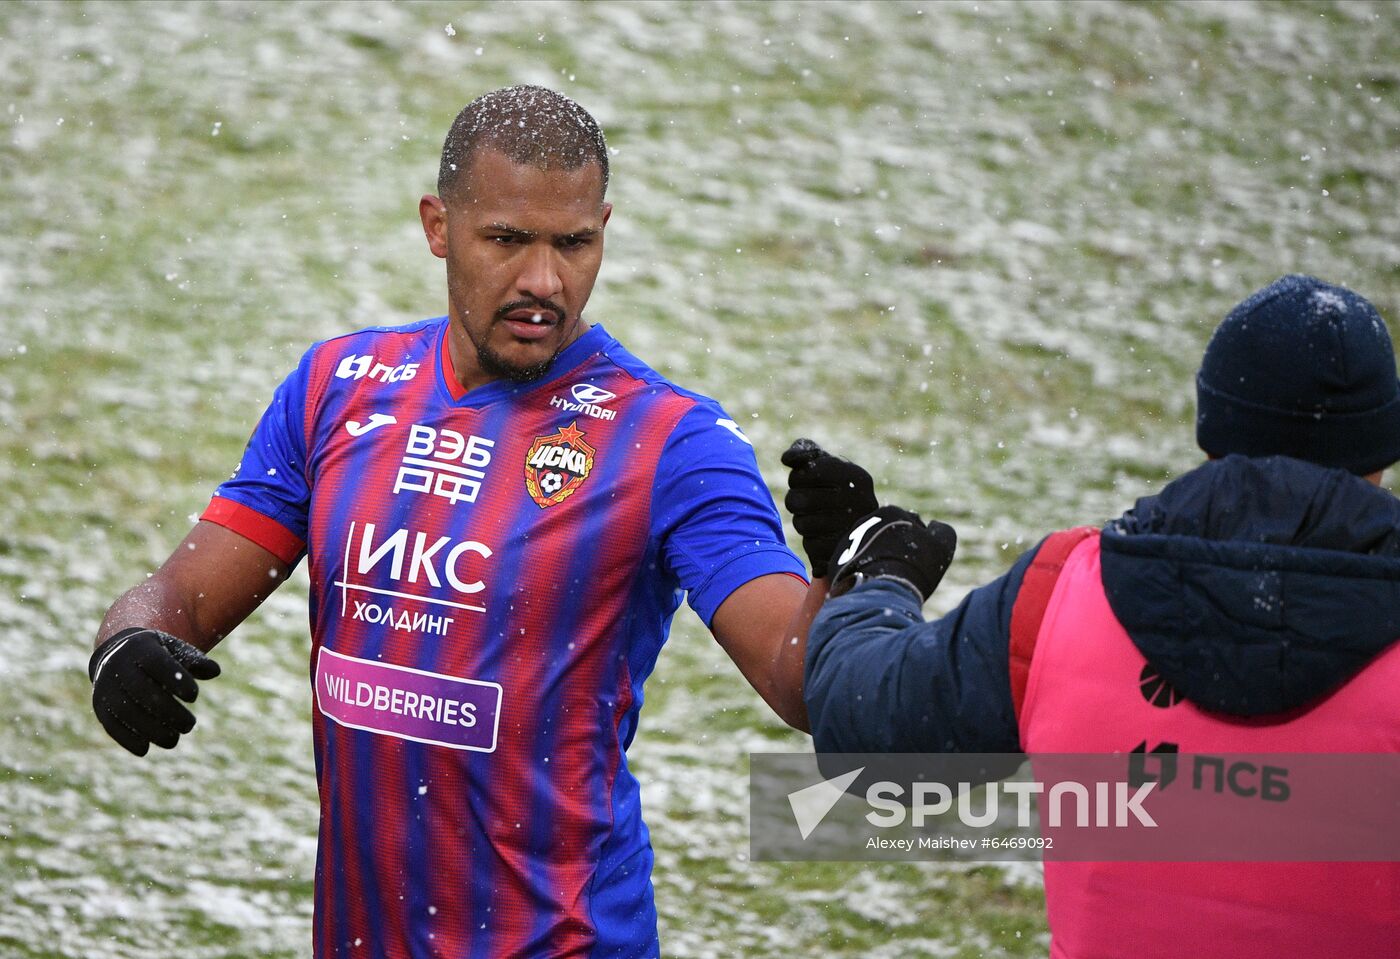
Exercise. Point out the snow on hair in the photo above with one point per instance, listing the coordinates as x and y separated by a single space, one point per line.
530 125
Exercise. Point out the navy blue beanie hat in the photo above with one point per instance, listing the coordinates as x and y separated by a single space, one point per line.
1304 369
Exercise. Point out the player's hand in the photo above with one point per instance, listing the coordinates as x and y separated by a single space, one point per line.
138 678
826 494
894 543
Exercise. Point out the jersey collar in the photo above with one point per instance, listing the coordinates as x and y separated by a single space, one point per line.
593 340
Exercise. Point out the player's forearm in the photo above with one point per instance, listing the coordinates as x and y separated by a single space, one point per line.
781 689
212 581
157 604
788 663
763 627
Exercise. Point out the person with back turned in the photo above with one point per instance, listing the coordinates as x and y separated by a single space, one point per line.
1251 606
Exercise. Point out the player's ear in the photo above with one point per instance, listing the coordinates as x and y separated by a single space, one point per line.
433 212
607 212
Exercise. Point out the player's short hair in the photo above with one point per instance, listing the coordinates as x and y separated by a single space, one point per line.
530 125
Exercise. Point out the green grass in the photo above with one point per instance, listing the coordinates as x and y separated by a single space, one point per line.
978 247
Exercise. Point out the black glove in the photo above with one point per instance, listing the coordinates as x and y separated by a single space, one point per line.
826 494
894 543
136 676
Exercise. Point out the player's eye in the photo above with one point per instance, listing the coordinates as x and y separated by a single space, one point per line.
504 239
574 242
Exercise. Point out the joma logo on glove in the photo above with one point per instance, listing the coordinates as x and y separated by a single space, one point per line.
857 534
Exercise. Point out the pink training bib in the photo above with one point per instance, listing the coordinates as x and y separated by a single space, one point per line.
1084 693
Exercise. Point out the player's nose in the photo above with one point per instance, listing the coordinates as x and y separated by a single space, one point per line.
540 275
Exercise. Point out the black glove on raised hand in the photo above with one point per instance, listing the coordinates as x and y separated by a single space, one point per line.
826 494
137 675
895 543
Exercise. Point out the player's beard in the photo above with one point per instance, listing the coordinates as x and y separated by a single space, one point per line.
496 365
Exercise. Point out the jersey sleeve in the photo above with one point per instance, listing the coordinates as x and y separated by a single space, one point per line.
713 514
267 498
879 679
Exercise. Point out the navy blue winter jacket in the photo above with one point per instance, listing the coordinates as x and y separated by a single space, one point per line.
1252 585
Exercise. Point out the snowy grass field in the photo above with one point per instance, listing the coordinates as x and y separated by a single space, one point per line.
976 246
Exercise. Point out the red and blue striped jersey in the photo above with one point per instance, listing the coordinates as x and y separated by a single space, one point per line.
493 574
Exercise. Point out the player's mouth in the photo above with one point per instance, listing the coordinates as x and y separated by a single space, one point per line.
531 322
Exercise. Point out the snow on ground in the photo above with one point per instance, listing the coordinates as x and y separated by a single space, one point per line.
976 246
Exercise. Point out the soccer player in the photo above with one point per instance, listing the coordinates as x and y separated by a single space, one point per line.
500 510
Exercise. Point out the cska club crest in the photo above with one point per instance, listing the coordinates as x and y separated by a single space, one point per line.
557 465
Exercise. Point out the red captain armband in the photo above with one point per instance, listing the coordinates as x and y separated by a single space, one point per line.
252 525
1028 611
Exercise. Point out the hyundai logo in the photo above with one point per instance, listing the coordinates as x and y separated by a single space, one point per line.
588 393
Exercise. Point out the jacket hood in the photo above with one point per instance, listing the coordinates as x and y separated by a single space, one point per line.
1256 586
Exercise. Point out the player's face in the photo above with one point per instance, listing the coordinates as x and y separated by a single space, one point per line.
523 247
